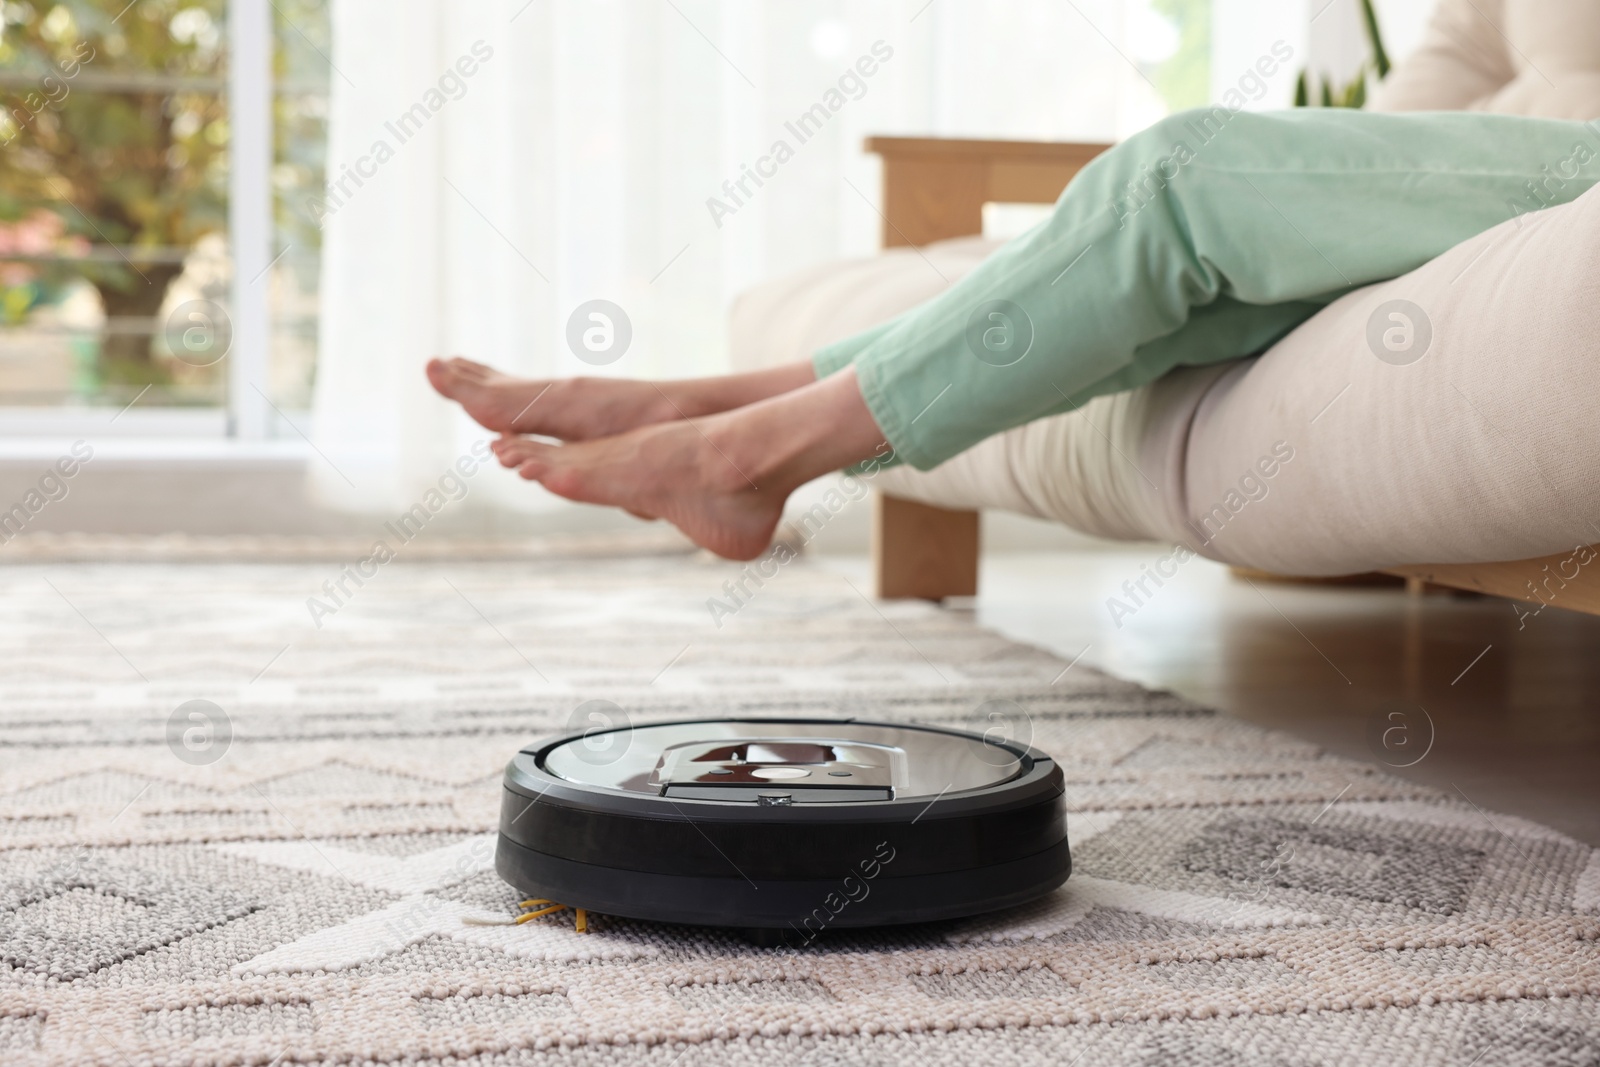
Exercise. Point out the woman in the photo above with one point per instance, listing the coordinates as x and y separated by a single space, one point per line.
1203 239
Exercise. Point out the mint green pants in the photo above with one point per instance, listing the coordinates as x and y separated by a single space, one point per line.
1204 238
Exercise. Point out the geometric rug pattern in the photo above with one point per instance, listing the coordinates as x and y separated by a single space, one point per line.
231 835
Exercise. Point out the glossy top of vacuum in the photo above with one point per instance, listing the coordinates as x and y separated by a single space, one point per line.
755 761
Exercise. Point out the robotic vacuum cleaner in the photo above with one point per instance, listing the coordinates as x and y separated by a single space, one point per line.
783 827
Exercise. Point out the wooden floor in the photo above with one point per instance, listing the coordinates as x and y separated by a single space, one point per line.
1367 673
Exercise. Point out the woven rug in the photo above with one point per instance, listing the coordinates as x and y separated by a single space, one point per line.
237 829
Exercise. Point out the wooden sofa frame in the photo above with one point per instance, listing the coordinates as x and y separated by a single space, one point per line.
935 188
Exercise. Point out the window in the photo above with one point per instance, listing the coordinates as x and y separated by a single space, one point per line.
153 252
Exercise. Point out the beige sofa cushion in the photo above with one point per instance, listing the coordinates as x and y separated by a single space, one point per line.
1514 57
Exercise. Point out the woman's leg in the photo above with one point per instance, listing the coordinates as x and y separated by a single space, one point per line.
1206 237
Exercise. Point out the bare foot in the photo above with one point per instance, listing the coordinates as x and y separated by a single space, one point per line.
721 480
667 472
581 409
571 409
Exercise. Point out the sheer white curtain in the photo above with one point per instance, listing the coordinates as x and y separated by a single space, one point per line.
576 160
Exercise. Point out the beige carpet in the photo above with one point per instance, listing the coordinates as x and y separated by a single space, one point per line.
292 884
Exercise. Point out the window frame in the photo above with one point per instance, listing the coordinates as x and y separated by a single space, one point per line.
250 219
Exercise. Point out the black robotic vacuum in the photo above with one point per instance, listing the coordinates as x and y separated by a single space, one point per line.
783 827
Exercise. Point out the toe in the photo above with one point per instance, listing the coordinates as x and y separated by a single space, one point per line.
442 377
515 451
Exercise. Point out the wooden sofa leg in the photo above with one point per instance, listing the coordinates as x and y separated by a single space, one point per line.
922 551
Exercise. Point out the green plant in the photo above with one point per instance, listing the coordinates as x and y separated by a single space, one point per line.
1353 94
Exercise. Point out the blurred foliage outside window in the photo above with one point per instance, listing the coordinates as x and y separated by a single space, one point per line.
113 194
